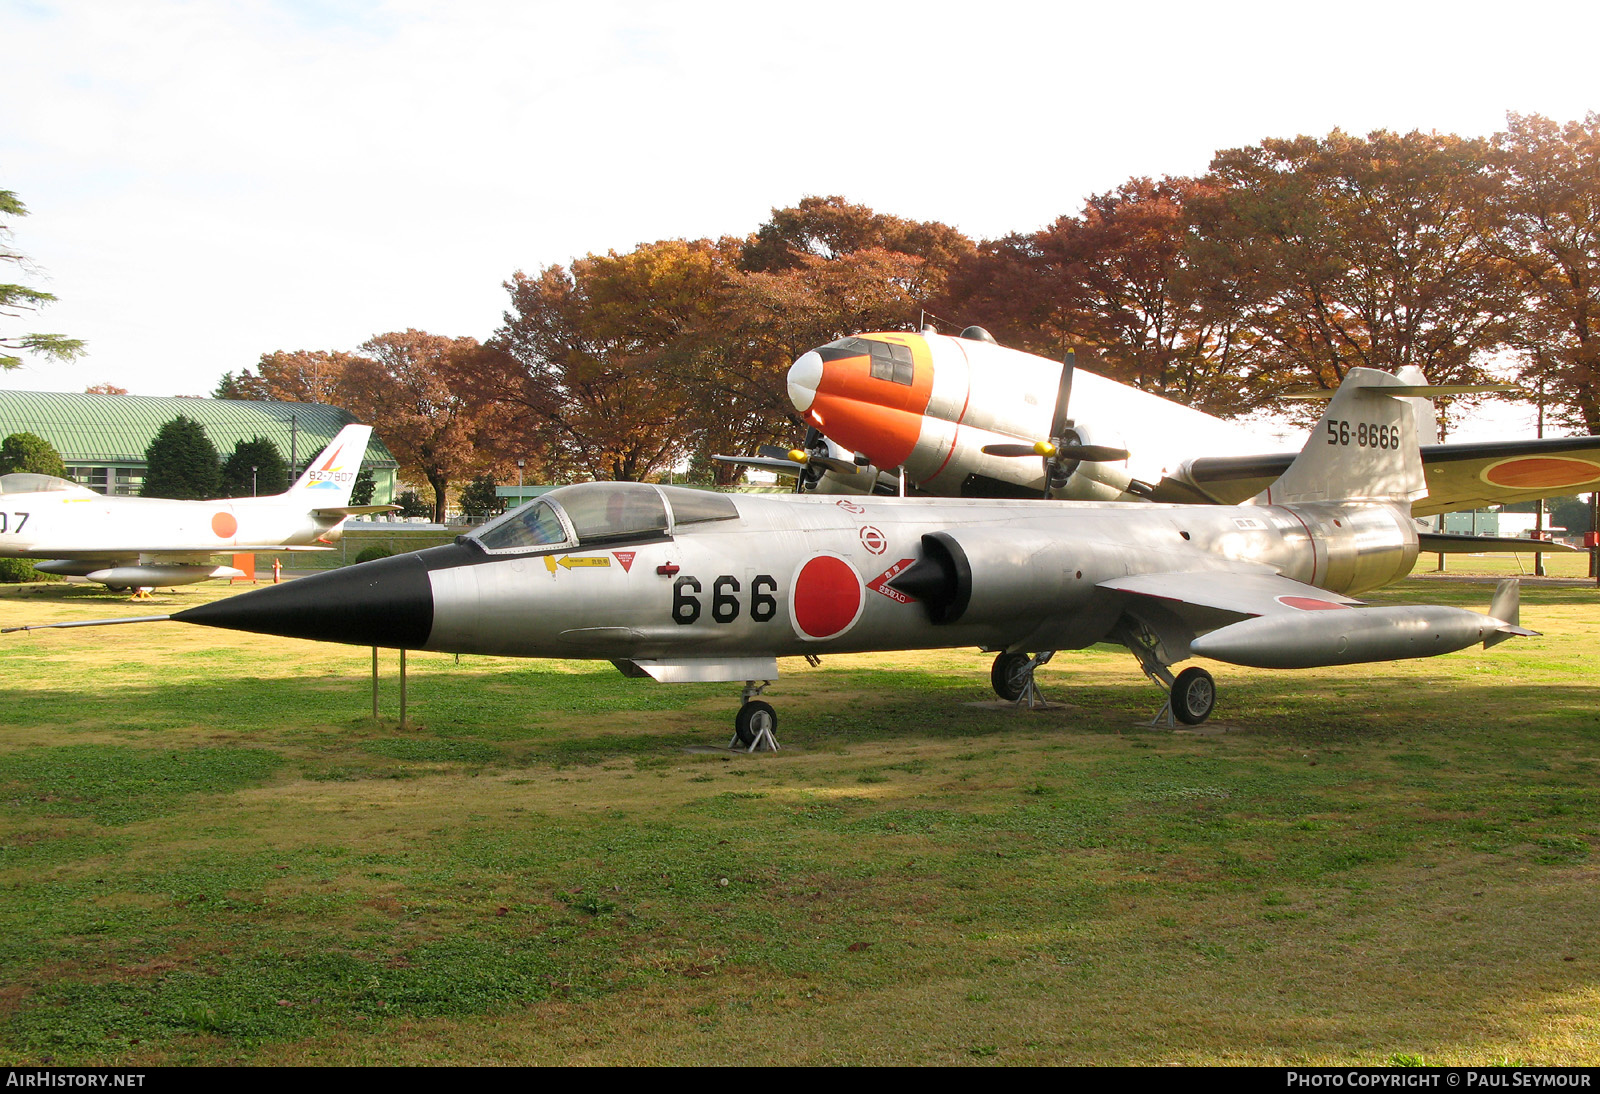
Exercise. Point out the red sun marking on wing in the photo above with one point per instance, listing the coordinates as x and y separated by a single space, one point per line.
1308 604
1541 472
224 525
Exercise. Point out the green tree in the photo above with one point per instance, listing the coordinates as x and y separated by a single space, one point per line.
270 474
411 505
479 501
181 462
32 453
16 299
361 493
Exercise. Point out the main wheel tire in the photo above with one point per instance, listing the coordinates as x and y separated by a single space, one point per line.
1194 693
752 718
1009 676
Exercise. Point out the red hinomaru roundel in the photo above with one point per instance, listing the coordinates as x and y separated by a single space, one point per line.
825 598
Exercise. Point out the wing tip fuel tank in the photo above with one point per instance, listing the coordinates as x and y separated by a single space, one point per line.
1348 637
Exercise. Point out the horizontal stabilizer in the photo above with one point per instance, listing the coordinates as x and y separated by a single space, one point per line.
1446 543
353 511
1404 391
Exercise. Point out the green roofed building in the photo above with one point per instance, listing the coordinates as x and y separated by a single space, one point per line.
102 438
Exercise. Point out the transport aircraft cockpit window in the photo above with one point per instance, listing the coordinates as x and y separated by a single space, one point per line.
533 525
891 361
698 506
612 510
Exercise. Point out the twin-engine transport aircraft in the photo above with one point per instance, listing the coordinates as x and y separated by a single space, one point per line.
678 584
966 417
144 542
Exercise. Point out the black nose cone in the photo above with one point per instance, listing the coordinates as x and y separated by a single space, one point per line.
387 602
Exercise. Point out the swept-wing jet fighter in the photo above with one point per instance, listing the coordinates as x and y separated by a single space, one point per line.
678 584
140 542
966 417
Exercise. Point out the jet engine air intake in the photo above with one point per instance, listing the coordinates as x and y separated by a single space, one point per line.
941 578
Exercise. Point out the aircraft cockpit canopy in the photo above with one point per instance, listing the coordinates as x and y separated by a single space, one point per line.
602 512
889 360
28 482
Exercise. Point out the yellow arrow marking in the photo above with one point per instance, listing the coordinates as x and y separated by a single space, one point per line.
590 560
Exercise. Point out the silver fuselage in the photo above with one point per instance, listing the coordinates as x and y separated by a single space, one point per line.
753 586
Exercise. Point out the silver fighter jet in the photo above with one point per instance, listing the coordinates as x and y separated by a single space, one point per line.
682 585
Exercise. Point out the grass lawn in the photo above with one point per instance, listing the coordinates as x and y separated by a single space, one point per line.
211 853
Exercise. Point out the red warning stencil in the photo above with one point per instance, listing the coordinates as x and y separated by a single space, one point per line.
880 584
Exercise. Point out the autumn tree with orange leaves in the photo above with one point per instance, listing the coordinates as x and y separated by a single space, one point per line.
1547 229
1127 282
417 392
1369 251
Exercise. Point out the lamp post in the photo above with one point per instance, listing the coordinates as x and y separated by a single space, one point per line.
252 480
519 482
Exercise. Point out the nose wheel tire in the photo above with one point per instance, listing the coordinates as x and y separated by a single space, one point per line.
754 717
1193 695
1009 675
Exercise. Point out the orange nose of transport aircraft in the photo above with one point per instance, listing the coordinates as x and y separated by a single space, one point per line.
869 395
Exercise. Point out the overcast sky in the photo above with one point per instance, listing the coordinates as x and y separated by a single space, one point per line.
209 181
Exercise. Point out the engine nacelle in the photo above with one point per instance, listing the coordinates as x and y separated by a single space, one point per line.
982 575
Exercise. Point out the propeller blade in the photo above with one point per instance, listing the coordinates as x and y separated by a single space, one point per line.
1012 450
1092 453
772 452
785 466
829 463
1059 421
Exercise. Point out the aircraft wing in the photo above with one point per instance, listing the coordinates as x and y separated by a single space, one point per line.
1460 476
1230 592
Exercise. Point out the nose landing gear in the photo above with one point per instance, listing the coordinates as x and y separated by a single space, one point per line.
753 726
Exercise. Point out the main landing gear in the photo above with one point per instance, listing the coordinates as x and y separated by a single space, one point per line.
1012 677
1190 695
753 726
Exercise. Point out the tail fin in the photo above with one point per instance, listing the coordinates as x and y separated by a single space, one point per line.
329 478
1427 410
1364 448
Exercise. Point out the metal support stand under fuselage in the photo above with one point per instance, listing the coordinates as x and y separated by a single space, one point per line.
1031 696
402 686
